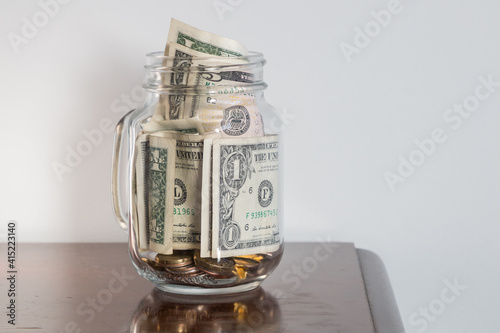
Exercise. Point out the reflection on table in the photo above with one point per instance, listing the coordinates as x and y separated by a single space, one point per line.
253 311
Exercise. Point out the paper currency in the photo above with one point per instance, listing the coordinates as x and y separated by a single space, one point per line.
141 184
188 46
220 111
186 219
208 113
245 196
222 81
204 41
206 200
187 195
189 157
160 192
241 119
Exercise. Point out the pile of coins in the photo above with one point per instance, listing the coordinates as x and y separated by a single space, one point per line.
179 263
189 266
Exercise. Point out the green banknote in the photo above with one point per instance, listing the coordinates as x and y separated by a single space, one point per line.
140 185
189 47
160 192
229 109
204 41
187 187
206 200
245 196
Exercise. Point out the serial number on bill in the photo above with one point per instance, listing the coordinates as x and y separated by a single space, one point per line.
184 211
262 213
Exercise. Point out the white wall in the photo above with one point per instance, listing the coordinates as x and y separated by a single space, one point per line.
351 122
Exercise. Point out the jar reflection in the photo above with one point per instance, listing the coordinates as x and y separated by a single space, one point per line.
253 311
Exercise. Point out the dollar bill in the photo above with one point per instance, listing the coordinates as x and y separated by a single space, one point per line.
184 45
206 201
187 194
245 196
141 199
241 119
227 109
160 193
222 81
204 41
189 157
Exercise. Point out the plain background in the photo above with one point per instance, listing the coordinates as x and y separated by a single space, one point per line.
348 124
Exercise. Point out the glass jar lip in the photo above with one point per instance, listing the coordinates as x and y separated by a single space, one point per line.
158 65
252 56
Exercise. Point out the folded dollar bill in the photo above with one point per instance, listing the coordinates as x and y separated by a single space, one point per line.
189 47
186 213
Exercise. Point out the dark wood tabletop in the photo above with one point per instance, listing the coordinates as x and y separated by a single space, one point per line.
318 287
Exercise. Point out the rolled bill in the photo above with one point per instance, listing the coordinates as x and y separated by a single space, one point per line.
228 110
184 44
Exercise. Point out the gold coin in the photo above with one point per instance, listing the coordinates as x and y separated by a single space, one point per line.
151 263
178 258
248 263
147 261
240 271
222 267
255 257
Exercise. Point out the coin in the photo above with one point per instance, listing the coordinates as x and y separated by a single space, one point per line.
184 270
178 258
248 263
152 264
255 257
240 271
147 261
222 267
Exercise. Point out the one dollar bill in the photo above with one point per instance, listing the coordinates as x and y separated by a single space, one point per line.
206 200
183 43
160 192
187 184
228 109
141 185
245 196
204 41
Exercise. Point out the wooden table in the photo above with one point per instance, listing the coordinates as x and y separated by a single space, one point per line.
318 287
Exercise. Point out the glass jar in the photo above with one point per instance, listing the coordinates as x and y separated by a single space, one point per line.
196 175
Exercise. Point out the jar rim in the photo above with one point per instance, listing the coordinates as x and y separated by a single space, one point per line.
158 65
252 56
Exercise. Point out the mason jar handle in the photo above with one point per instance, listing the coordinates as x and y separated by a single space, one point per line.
119 183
